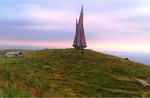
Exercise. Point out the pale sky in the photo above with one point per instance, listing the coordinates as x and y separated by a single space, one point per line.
110 25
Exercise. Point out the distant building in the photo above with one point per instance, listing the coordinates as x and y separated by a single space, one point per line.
79 40
13 54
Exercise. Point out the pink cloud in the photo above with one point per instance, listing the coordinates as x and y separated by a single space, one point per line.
122 46
42 44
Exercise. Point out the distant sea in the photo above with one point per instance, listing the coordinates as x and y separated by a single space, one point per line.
137 57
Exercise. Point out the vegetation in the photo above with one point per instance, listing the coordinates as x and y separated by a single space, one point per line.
68 72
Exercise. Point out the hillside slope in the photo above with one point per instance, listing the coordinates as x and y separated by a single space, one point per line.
67 72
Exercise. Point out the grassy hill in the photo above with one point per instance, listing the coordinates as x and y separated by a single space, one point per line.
67 72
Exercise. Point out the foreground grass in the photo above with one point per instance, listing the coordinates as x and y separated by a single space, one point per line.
67 72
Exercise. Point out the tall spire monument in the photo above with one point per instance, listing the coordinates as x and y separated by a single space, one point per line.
79 39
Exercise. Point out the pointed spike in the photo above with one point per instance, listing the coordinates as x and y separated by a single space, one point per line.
79 40
76 21
82 9
81 16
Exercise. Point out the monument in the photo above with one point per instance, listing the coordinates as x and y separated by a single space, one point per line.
79 39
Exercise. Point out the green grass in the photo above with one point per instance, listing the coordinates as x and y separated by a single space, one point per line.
67 72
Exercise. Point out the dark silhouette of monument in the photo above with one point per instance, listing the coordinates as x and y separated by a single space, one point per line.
79 40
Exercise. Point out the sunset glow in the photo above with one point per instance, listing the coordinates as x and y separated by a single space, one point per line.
110 25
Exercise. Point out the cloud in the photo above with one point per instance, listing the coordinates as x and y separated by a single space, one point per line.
34 35
106 23
39 44
120 46
45 18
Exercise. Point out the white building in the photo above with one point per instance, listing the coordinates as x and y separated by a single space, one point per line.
13 54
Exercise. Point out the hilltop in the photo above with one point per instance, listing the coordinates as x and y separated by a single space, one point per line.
68 72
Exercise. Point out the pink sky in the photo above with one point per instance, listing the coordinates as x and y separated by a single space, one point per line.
111 25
